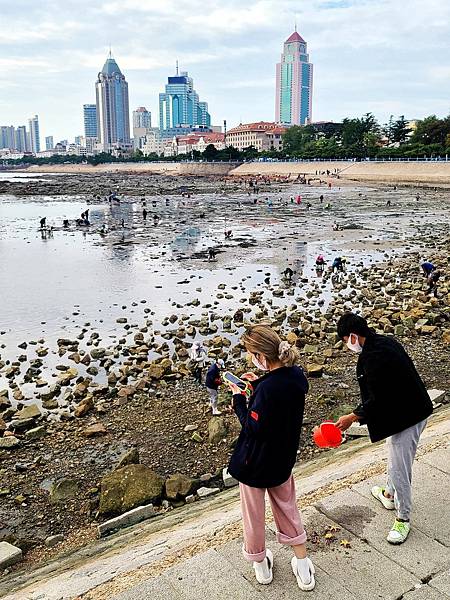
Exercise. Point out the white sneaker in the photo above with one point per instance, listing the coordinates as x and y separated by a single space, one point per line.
399 532
378 493
264 569
216 412
306 587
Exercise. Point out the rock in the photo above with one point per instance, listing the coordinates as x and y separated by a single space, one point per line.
6 443
357 430
36 433
52 540
136 515
84 407
204 492
291 337
445 337
128 488
64 489
97 353
155 371
196 437
310 349
131 457
94 430
190 427
9 555
178 485
28 412
217 430
228 480
314 370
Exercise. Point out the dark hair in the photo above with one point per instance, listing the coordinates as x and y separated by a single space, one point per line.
351 323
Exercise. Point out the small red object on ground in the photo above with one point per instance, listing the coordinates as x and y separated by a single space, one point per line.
327 435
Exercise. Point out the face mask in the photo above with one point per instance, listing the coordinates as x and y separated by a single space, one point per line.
354 346
259 365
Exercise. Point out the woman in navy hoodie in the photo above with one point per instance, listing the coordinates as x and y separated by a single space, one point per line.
266 452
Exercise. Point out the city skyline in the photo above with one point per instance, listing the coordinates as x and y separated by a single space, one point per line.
368 56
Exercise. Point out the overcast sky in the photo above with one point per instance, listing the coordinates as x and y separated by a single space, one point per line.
384 56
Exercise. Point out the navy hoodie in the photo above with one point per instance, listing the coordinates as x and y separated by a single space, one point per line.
266 450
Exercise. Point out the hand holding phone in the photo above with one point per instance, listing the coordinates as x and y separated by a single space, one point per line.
237 385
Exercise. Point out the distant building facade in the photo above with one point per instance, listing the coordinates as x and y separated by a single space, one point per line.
49 145
33 132
196 141
113 115
294 83
90 120
179 105
263 136
142 123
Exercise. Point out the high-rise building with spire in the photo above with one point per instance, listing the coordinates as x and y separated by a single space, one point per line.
179 105
113 115
294 83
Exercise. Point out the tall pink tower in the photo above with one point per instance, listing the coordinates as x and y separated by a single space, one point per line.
293 103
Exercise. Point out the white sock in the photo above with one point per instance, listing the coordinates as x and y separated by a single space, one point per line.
303 570
263 567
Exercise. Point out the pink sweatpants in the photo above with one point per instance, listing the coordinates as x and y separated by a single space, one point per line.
285 512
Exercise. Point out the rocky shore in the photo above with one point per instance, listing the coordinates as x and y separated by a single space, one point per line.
107 417
146 436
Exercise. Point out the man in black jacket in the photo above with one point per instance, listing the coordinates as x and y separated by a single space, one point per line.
395 406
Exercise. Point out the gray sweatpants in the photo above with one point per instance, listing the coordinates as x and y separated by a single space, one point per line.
401 452
213 397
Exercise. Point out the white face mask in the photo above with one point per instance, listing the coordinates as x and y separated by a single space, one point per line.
259 365
354 346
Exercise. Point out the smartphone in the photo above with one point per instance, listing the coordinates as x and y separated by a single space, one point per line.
228 376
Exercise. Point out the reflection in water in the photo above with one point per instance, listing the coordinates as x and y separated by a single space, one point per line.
186 240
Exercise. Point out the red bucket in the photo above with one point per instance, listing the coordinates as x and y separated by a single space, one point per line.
327 435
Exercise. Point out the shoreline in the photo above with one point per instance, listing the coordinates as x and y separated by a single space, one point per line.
390 173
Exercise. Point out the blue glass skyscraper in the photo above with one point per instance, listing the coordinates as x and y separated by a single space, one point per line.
179 105
90 120
113 116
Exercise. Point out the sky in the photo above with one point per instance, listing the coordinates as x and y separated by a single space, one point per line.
384 56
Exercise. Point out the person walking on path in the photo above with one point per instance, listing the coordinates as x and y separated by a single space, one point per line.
395 406
198 356
266 451
213 382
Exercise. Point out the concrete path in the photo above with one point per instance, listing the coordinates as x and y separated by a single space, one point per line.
365 567
196 554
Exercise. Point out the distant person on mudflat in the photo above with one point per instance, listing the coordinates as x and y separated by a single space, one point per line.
144 214
427 268
212 382
266 451
197 357
432 281
395 406
42 222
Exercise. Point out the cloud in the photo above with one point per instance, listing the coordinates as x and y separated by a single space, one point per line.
385 56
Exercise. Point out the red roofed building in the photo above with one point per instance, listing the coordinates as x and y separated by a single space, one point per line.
263 136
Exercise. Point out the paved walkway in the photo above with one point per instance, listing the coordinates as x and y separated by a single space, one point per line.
348 547
198 556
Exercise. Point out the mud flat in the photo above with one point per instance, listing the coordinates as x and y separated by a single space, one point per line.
396 173
430 173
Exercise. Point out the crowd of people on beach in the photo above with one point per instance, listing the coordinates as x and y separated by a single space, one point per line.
270 404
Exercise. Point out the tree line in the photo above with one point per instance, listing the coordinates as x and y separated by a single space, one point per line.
365 137
352 138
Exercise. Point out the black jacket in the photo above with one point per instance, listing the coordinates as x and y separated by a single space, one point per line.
212 380
393 396
267 446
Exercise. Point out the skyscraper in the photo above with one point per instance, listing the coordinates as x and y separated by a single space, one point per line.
90 120
113 116
49 145
21 139
294 77
33 131
142 118
142 123
179 105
